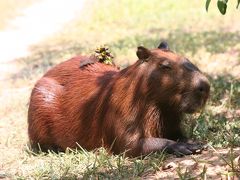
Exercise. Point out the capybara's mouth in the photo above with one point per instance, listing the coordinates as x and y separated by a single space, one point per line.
194 107
192 110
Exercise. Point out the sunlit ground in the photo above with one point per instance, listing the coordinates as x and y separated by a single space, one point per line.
37 20
43 33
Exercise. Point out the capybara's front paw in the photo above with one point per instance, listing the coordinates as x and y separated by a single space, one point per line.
180 148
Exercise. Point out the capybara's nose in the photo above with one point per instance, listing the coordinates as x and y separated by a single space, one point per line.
203 87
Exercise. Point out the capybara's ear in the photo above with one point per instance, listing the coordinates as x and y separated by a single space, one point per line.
163 45
143 53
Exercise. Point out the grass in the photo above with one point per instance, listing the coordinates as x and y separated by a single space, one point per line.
82 164
210 40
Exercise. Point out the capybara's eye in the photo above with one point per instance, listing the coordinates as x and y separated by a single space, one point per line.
189 66
165 65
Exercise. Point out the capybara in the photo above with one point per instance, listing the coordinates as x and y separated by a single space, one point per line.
136 110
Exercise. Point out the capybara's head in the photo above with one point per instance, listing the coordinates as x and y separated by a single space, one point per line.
172 80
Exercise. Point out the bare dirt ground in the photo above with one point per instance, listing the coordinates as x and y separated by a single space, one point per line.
211 164
37 22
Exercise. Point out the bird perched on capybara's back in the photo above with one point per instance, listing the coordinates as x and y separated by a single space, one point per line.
136 110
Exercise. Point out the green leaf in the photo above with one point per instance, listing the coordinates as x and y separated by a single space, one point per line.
207 4
238 3
222 6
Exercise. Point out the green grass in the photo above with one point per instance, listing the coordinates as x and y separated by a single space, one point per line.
83 164
210 40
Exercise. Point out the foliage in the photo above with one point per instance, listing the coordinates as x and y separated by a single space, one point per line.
103 54
222 5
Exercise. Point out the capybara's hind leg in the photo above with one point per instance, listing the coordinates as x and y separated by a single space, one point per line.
43 111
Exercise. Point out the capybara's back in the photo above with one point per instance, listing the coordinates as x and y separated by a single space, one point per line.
63 103
138 110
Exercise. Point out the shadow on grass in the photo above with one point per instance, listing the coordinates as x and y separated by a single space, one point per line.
123 172
119 167
44 56
182 42
226 87
213 42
